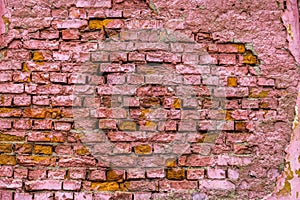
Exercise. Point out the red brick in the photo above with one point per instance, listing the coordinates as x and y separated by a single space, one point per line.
5 124
83 196
214 173
22 124
20 173
77 173
66 24
40 100
135 174
59 174
141 186
96 4
107 124
117 68
58 77
42 125
6 76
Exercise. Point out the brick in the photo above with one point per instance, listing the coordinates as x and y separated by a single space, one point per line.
115 175
36 160
6 195
265 82
6 171
40 100
155 173
168 185
37 56
250 103
107 124
176 174
58 77
69 24
135 174
140 186
42 125
10 112
59 174
23 196
22 100
62 126
117 68
195 174
44 195
127 136
5 124
192 69
72 185
37 174
11 88
70 34
83 196
8 183
40 77
5 148
44 67
42 149
77 173
142 196
63 195
6 76
214 173
20 173
96 4
216 185
116 79
127 126
43 185
232 82
82 161
105 186
97 175
40 44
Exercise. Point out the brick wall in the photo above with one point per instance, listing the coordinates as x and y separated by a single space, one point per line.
144 99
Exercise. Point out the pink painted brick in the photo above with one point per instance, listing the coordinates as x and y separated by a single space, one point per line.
63 195
195 174
97 175
70 34
135 174
155 173
83 196
46 67
122 148
42 125
247 81
100 56
44 196
202 149
6 100
116 79
37 174
142 196
20 173
107 124
187 125
271 103
40 77
22 100
117 67
190 58
11 113
43 185
41 44
216 185
72 185
45 34
62 126
62 55
77 173
6 76
11 88
227 59
56 174
8 183
64 101
77 13
22 124
135 79
167 185
233 174
226 48
240 114
23 196
96 4
21 77
40 100
6 171
192 69
6 195
58 77
5 124
214 173
68 24
231 92
265 82
192 79
250 103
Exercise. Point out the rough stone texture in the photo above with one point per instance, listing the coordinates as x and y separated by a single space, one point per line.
196 99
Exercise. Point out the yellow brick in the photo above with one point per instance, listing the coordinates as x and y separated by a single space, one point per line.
171 162
7 160
240 47
6 137
249 58
112 175
176 174
41 149
82 151
211 137
5 148
105 186
231 81
177 103
98 24
38 56
128 126
143 149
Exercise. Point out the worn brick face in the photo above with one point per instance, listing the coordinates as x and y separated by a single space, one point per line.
114 99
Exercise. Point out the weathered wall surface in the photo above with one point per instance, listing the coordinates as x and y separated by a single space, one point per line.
138 99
